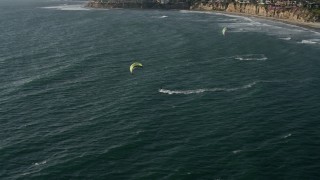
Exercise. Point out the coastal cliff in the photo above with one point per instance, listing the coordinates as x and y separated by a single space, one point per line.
147 4
293 14
209 6
286 13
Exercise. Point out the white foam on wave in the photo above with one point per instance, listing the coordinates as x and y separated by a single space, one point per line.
40 163
236 151
251 57
66 7
310 41
197 91
286 38
159 17
286 136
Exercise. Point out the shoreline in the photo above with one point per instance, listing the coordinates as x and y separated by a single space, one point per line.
309 25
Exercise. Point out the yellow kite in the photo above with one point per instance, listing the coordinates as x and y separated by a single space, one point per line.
135 65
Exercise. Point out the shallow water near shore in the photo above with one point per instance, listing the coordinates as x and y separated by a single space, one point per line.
205 106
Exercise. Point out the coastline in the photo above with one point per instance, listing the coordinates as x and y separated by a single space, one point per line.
309 25
301 20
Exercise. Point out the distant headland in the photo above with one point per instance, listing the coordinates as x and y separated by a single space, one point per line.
300 12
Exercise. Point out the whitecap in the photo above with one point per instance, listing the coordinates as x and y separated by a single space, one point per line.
26 173
40 163
159 17
236 151
197 91
251 57
286 136
286 38
310 41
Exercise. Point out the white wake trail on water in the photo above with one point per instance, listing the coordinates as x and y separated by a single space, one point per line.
197 91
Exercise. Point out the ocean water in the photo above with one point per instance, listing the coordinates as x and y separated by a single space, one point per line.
204 106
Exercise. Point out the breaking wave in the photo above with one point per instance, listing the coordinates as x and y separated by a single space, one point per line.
286 38
197 91
310 41
159 17
40 163
286 136
236 151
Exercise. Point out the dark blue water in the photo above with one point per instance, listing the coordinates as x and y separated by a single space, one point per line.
205 106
